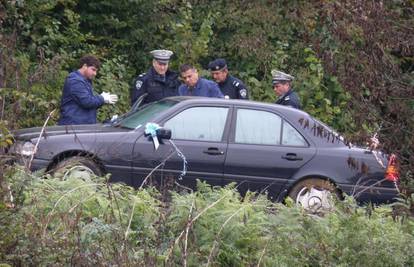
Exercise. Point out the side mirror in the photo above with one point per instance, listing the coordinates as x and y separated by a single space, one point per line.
163 133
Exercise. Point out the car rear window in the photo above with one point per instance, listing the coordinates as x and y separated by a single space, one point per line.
322 132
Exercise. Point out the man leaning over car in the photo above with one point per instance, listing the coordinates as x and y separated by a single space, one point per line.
194 85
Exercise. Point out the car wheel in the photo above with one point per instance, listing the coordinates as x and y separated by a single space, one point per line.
315 195
80 167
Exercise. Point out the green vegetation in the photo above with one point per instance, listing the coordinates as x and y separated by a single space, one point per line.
353 63
73 222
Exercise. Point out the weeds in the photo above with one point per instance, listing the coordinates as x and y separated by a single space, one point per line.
82 223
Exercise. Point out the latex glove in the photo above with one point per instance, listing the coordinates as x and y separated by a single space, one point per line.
109 98
112 99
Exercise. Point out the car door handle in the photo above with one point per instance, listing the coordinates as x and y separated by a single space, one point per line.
213 151
291 156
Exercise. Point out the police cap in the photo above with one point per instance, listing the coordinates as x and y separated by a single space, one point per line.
280 77
217 64
162 55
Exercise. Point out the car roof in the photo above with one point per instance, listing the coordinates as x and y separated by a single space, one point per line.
237 102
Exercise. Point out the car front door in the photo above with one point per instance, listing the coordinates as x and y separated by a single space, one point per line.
200 133
264 151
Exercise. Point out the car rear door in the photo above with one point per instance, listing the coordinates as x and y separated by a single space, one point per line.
201 134
264 151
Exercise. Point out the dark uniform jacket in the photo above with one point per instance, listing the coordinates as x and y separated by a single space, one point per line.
78 104
203 87
155 85
234 88
289 99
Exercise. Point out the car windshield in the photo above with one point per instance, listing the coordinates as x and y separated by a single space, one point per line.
144 115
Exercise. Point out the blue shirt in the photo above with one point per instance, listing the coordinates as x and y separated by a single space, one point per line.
78 104
203 87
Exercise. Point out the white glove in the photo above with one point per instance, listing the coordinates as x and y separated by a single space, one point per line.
109 98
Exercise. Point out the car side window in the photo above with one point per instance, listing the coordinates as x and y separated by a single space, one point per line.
291 137
257 127
198 123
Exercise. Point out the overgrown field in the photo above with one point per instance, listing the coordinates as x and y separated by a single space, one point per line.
46 221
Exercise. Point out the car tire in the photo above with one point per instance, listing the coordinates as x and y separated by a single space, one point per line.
315 195
81 167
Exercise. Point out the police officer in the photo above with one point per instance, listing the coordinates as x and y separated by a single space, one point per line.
158 82
282 86
230 86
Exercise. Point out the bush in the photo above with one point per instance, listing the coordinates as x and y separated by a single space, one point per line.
94 223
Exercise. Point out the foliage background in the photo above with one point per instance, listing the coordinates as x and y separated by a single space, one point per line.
353 63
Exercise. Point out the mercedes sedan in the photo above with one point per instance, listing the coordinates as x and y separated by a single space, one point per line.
261 147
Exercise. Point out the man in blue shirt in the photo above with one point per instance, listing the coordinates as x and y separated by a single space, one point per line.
196 86
282 86
79 104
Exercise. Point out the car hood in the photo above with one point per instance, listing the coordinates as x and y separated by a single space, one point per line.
32 133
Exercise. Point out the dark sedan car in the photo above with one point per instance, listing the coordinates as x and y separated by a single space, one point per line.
262 147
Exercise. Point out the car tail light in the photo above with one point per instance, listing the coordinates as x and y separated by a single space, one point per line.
391 173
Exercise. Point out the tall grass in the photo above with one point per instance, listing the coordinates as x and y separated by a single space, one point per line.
74 222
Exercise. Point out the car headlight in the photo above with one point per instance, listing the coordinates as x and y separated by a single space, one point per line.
24 149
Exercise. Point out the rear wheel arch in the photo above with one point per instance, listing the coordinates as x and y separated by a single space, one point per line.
315 194
315 177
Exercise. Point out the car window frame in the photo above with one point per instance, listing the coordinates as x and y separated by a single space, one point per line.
226 130
232 135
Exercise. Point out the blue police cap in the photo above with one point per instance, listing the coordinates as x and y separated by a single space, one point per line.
162 55
217 64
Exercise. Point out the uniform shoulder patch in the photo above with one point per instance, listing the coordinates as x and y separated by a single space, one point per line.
138 84
236 83
140 80
287 98
243 93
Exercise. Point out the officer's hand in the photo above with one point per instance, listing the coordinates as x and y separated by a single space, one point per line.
109 98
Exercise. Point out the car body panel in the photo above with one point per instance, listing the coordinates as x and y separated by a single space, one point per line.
262 168
200 165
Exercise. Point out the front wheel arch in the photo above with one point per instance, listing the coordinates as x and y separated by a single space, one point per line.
81 167
75 153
